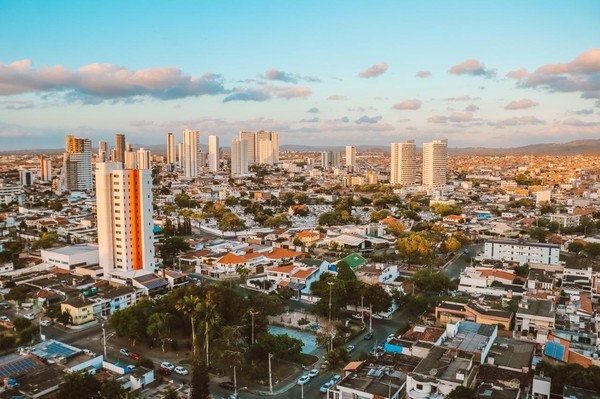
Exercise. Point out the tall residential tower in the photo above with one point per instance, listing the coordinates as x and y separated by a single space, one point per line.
435 163
403 166
191 148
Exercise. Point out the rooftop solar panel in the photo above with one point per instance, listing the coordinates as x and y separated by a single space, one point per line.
17 367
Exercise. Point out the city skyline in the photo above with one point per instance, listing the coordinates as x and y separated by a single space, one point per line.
506 74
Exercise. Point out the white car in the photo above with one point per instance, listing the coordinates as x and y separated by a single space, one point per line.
325 387
29 316
313 373
303 380
167 365
4 318
350 348
46 323
390 337
180 370
124 352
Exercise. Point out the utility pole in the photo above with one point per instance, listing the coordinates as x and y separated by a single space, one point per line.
302 387
234 382
104 340
270 376
252 314
370 318
362 309
330 283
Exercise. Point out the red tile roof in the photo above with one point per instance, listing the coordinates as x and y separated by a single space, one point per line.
232 259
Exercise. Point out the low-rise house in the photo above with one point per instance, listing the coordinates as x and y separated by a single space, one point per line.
451 312
534 319
369 381
99 304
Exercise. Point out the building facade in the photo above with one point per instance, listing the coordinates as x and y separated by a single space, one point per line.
191 147
213 153
522 251
124 212
77 165
239 156
170 148
435 163
403 168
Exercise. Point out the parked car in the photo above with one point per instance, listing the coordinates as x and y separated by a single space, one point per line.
369 335
46 323
389 338
303 380
124 352
357 316
89 352
350 348
167 365
29 316
380 347
164 371
4 318
181 371
325 386
134 356
313 373
227 385
4 305
336 378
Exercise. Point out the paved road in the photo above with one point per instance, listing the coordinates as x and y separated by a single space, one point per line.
454 269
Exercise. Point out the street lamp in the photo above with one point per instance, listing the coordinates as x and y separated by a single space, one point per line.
330 283
270 376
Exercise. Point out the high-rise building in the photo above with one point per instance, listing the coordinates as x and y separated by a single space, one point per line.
170 148
350 158
265 152
180 154
250 138
26 177
239 157
435 163
119 148
143 159
76 174
103 151
330 159
213 153
273 138
45 169
124 213
403 166
131 160
191 147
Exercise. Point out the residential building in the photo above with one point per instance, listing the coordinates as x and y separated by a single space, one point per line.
131 160
265 152
103 153
403 166
26 177
250 138
124 212
119 148
171 148
11 193
522 251
350 158
143 159
213 153
369 381
77 165
566 220
534 319
330 159
45 169
435 163
99 304
452 312
272 148
239 156
191 148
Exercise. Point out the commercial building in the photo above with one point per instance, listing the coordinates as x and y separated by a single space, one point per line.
103 153
70 257
124 212
239 156
191 148
26 177
403 168
522 251
77 165
435 163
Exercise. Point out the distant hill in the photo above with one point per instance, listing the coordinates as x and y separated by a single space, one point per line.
577 147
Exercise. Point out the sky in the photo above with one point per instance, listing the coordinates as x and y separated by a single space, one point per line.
490 74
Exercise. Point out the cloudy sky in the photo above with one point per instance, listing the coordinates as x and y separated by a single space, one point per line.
494 74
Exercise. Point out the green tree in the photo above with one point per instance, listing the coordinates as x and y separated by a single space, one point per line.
396 228
112 389
79 385
461 392
209 318
21 324
337 358
159 327
170 394
231 222
593 249
170 248
190 306
452 244
378 298
414 248
200 380
345 273
539 233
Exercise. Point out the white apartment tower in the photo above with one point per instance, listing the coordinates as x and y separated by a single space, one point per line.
250 138
265 152
239 157
131 160
170 148
350 158
191 147
180 154
124 213
77 165
435 163
330 159
143 159
255 154
403 166
213 153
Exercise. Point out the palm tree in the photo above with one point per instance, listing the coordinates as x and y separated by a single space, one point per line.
158 327
210 317
191 306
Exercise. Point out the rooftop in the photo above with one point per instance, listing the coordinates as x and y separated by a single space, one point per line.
73 249
374 379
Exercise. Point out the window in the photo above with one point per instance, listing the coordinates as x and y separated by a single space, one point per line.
420 387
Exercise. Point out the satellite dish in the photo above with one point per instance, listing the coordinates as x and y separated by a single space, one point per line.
433 372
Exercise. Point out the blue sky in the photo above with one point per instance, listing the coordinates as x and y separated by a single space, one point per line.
490 73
